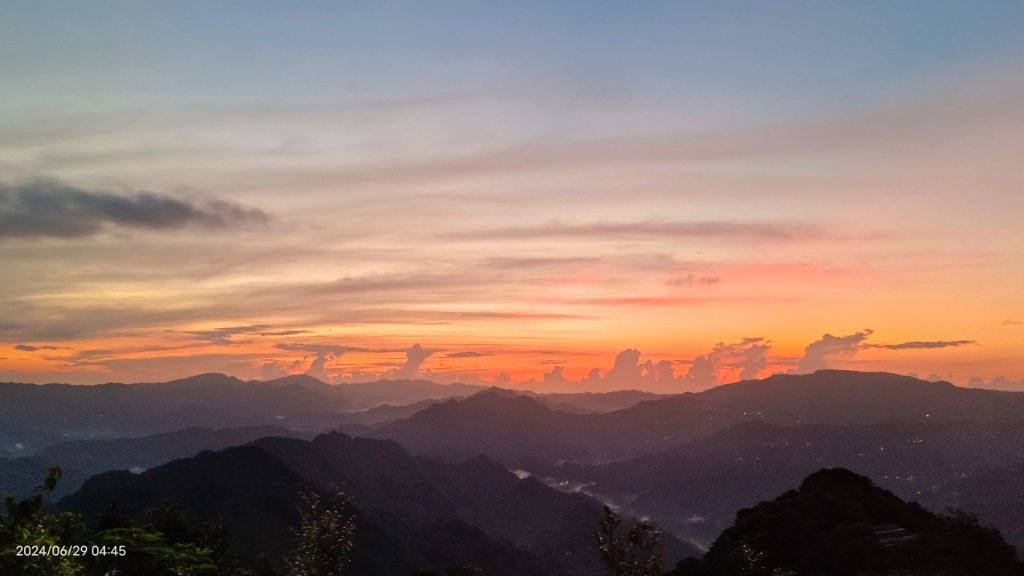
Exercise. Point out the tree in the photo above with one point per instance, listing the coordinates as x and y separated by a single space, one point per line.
637 552
26 523
325 537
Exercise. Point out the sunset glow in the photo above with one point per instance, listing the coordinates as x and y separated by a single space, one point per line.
510 194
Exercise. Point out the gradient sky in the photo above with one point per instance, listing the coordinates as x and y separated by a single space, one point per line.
511 192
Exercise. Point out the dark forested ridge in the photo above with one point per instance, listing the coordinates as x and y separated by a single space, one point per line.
838 523
410 513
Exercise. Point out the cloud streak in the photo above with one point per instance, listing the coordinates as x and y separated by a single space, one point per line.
720 230
31 348
45 208
921 345
467 354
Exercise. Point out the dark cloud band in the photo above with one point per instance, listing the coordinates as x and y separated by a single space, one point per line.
48 208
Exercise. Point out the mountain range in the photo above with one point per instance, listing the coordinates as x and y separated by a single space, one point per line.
411 513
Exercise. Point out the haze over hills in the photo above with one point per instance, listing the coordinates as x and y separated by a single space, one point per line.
694 489
80 459
34 416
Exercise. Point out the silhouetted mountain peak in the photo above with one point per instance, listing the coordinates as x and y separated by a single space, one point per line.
300 379
203 380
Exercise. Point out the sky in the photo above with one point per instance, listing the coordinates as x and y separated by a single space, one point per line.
557 196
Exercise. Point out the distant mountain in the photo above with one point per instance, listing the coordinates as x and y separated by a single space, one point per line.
82 458
410 513
499 423
401 392
838 523
113 410
94 456
845 397
33 416
694 489
518 429
595 402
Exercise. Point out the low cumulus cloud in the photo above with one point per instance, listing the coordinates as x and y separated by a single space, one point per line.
997 383
630 370
817 353
48 208
324 353
415 356
749 355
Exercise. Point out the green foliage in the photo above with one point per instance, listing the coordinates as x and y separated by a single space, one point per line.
167 542
26 523
636 553
325 537
148 552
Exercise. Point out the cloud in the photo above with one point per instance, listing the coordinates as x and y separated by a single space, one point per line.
627 369
701 373
554 378
918 345
31 348
224 336
749 355
671 301
758 231
817 353
46 208
270 370
1011 322
997 383
691 280
465 354
415 356
324 352
661 372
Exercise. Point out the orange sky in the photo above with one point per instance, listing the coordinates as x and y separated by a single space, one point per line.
728 200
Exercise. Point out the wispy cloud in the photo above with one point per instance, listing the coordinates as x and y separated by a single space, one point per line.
48 208
691 280
225 336
669 301
467 354
921 345
757 231
31 348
